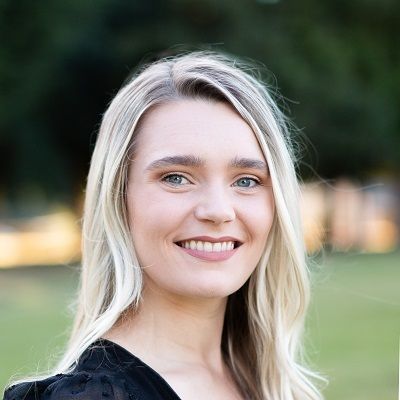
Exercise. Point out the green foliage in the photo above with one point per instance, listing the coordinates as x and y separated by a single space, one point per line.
61 62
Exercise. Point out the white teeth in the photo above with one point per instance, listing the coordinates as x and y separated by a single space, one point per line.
217 247
208 246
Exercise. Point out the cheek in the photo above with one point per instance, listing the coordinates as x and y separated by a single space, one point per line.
260 216
153 220
141 223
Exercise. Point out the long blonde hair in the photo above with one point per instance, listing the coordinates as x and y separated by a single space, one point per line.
264 319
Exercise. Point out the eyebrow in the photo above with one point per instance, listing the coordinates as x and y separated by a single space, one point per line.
187 161
250 163
192 161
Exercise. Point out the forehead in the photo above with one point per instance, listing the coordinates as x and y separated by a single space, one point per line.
200 127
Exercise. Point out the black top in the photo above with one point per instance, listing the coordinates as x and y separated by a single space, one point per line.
104 371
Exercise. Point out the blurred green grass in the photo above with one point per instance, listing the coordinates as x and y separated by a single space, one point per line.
353 324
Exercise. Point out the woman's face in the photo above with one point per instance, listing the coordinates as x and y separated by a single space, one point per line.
199 199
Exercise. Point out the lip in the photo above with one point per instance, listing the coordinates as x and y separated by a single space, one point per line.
212 239
211 256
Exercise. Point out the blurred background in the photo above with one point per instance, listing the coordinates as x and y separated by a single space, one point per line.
337 65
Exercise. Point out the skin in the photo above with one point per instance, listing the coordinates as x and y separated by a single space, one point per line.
177 329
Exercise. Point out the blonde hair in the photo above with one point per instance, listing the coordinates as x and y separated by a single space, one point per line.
264 319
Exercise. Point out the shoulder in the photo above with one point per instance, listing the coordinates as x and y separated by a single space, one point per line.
98 374
74 386
104 371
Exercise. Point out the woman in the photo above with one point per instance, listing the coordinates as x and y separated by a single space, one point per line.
194 282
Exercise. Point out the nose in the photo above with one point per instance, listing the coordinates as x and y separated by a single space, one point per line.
215 206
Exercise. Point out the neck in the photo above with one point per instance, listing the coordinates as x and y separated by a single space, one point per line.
174 328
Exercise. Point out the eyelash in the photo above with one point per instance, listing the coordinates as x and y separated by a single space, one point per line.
255 180
165 177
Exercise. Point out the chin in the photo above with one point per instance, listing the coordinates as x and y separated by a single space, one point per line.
212 290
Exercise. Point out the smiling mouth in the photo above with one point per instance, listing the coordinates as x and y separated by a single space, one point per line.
208 247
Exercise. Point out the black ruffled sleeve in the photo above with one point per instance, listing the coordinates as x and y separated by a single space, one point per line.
76 386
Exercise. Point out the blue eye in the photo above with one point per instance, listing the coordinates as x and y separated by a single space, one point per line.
175 179
246 182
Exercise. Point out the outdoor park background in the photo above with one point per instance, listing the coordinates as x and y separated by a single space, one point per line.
337 65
